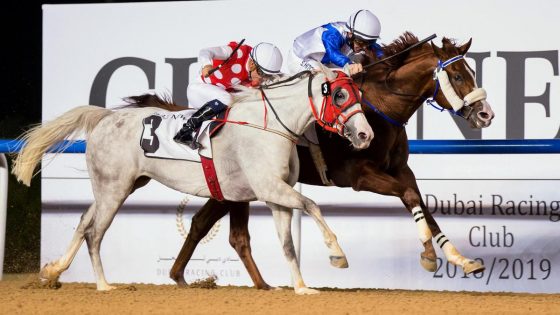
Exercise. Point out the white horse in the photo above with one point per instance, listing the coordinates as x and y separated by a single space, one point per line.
251 163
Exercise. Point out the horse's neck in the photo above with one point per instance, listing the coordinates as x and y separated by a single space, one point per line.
288 108
406 89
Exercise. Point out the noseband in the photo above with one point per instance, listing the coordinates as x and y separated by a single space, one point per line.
331 116
460 106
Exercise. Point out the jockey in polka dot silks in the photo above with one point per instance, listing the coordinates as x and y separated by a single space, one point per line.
337 44
222 68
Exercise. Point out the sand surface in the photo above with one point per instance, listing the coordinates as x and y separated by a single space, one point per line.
19 294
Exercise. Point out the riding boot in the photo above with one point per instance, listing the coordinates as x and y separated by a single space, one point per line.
207 111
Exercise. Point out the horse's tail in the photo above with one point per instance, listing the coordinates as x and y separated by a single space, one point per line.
43 136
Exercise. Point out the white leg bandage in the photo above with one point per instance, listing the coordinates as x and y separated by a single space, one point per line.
423 230
451 253
441 240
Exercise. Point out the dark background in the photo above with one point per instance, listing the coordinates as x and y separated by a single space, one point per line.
20 72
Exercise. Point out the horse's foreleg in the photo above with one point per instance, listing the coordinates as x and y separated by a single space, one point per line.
283 221
428 227
240 240
287 197
403 186
337 257
201 223
281 198
53 270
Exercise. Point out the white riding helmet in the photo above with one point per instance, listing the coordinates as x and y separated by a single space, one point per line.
267 57
364 25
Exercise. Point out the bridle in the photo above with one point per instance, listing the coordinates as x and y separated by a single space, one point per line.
461 107
331 116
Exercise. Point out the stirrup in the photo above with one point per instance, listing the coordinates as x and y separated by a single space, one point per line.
193 144
187 139
183 138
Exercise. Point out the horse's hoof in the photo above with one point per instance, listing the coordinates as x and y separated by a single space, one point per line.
473 267
46 275
47 283
267 287
428 264
339 261
105 287
306 291
181 283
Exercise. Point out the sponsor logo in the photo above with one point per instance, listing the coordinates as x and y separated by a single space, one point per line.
181 225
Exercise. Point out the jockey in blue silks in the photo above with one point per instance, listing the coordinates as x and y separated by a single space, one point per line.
337 44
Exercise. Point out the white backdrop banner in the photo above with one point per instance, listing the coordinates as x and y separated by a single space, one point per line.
501 209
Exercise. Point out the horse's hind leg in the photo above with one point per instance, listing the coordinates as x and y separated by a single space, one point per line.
109 196
53 270
240 240
283 221
201 223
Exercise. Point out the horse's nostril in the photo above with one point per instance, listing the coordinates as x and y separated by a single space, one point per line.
483 115
362 136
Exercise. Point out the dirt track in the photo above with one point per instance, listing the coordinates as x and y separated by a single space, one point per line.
74 298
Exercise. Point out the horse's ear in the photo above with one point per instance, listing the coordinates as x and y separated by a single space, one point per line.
331 75
463 49
437 51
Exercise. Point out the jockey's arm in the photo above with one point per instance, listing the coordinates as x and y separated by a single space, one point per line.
333 42
206 55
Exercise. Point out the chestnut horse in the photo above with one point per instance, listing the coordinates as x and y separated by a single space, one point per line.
397 87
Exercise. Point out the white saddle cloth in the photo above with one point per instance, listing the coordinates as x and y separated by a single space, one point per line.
159 130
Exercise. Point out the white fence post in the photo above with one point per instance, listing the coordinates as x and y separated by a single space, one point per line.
3 207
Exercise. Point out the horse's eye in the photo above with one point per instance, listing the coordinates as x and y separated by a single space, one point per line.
340 97
458 77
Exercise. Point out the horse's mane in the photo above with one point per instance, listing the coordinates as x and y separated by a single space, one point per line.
163 101
404 41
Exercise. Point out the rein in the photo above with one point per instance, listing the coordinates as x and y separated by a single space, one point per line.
422 42
369 104
292 136
333 112
276 114
246 124
293 77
